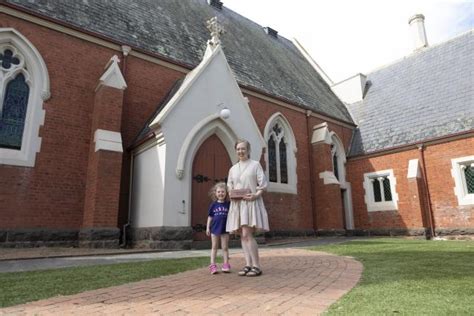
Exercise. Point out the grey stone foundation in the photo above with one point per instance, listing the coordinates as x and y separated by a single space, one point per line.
390 232
331 232
455 233
99 237
276 234
165 237
38 237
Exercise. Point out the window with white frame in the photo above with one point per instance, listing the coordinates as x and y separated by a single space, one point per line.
380 193
280 155
463 174
24 85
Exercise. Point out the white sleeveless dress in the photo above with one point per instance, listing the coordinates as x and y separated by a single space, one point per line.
247 174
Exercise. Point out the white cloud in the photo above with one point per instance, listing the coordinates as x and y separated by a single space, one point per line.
347 37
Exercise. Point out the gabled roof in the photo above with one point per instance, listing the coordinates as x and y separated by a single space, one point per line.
177 31
427 95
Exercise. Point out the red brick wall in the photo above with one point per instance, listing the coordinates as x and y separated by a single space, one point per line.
328 207
447 214
52 193
290 211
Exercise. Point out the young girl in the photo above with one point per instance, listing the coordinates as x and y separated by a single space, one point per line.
216 226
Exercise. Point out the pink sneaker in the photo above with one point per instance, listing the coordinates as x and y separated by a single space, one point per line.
225 268
213 269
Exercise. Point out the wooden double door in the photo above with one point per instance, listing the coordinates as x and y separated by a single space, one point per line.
211 165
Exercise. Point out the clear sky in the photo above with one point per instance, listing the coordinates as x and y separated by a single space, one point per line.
346 37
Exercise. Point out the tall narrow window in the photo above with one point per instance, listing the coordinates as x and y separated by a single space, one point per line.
387 191
469 178
272 160
283 167
12 121
377 193
335 165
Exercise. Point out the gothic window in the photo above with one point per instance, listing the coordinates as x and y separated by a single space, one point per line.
380 194
277 164
463 174
280 155
24 85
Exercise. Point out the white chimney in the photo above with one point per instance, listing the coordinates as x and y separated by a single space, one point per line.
417 26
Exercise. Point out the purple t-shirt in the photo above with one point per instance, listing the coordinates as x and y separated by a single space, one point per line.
218 211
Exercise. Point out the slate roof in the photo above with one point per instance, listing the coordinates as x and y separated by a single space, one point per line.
177 30
428 94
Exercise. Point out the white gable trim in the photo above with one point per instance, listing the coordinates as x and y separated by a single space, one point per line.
190 78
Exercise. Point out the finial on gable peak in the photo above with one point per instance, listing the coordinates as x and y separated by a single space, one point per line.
216 30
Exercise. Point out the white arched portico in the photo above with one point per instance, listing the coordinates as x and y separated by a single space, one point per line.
192 115
185 161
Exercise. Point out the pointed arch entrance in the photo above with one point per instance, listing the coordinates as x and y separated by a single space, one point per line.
211 164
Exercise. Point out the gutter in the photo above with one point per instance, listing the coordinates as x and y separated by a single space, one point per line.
311 178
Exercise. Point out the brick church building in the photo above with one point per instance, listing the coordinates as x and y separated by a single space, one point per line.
116 117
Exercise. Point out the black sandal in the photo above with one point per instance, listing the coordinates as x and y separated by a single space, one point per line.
244 271
255 271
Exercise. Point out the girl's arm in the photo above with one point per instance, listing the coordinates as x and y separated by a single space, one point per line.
208 226
261 185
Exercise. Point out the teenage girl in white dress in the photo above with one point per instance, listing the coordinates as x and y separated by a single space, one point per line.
248 214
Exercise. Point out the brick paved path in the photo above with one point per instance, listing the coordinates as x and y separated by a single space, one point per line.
295 281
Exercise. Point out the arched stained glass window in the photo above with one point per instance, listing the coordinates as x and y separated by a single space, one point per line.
272 160
24 86
13 113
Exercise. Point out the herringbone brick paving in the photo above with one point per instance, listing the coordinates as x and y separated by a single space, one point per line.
295 282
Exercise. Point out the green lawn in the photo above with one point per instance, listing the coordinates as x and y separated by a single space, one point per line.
22 287
409 277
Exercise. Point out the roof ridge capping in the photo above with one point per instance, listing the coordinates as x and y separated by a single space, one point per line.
420 51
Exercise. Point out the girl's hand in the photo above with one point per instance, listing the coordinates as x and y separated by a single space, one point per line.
208 232
250 197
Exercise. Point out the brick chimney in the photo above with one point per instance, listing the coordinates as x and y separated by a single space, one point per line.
417 28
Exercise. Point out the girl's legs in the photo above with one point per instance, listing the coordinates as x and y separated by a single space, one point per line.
225 247
251 247
244 242
215 246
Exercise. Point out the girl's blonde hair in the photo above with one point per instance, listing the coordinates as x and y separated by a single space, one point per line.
212 192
